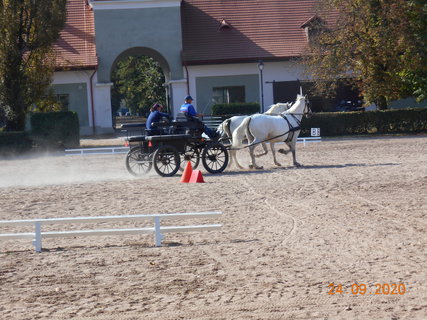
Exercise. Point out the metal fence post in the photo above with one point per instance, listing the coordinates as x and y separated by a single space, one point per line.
157 234
38 236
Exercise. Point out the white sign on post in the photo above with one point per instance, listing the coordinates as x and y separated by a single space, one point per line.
315 132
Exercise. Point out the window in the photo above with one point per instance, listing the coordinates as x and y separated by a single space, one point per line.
313 28
64 101
229 94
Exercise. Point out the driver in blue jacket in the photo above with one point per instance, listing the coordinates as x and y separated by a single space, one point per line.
188 109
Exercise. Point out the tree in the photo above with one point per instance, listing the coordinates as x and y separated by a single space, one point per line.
379 44
138 82
28 29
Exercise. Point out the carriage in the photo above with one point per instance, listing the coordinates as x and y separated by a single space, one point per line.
170 145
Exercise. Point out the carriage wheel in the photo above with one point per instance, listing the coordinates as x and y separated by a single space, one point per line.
191 154
166 161
215 157
137 162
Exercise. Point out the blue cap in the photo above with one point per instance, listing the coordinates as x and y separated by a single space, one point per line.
188 98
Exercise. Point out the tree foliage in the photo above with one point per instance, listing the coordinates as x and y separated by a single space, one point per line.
379 44
28 29
138 83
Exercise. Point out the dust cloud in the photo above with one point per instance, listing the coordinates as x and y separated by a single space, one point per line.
60 169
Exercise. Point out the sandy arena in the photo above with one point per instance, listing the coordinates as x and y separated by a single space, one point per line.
353 215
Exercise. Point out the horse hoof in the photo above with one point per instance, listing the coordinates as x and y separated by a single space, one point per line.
251 166
260 167
296 164
283 151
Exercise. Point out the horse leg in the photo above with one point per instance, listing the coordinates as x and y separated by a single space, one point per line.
233 155
274 155
285 151
251 153
294 158
264 146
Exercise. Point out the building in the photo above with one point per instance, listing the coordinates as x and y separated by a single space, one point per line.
217 51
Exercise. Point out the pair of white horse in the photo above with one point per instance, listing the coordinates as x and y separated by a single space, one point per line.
262 128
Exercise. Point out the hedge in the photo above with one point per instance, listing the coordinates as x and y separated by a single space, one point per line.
55 130
229 109
370 122
14 143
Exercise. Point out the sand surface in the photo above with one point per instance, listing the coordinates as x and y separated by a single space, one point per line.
353 215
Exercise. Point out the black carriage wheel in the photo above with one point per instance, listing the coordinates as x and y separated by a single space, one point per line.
215 157
191 154
137 162
166 161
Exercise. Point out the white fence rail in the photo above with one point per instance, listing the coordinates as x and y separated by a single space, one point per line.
101 150
309 139
157 229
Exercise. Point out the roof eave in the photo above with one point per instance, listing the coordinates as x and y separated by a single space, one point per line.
76 68
237 60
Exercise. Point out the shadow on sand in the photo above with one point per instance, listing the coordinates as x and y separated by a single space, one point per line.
303 167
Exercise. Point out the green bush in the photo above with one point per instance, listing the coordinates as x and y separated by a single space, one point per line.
229 109
55 130
13 143
371 122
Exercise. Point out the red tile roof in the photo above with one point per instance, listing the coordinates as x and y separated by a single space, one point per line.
260 29
76 47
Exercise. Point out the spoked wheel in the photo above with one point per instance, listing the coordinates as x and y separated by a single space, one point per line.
137 162
166 161
215 157
191 154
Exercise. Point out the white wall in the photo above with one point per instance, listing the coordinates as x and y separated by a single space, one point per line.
102 122
273 71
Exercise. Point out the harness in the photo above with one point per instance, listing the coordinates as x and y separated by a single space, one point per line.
292 129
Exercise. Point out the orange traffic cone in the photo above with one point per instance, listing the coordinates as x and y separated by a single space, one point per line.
196 177
186 175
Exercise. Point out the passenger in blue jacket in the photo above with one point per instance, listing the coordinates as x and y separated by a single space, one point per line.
156 115
190 112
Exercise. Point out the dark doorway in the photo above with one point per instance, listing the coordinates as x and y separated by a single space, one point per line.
286 91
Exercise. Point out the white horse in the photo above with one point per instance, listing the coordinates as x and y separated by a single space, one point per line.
260 128
227 127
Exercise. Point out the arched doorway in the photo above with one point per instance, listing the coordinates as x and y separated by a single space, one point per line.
139 76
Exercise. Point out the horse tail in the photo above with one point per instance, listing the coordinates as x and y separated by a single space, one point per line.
248 132
226 127
240 133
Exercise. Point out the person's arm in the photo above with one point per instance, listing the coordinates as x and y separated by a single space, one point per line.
166 115
192 112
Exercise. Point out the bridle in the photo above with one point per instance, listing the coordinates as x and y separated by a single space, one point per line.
307 110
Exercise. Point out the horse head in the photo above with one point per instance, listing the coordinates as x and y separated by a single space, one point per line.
300 106
307 110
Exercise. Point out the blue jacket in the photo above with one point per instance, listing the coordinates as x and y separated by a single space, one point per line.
155 116
188 108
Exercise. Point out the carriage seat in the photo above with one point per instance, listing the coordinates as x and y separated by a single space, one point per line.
136 138
159 128
184 120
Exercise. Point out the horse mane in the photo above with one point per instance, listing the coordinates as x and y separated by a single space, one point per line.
295 104
282 106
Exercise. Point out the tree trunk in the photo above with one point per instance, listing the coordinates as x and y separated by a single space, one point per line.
17 124
381 103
